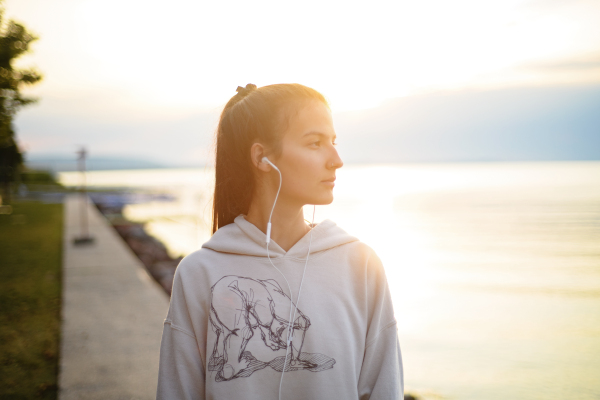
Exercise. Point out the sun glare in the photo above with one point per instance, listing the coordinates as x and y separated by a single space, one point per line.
193 54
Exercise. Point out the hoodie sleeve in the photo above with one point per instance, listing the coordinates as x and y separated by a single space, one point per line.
181 368
381 375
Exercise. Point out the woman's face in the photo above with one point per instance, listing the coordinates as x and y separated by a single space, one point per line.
308 158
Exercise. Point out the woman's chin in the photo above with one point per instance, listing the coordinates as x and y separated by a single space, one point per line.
323 201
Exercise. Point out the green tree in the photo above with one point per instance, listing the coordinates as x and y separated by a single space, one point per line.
14 42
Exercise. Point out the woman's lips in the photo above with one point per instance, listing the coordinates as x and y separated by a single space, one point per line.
330 182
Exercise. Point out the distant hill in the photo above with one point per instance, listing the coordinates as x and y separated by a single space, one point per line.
66 162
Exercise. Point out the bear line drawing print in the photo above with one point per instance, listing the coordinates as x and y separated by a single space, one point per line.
241 307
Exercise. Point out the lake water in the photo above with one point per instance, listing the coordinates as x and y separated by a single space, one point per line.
494 267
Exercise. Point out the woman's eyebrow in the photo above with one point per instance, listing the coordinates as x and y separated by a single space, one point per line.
317 133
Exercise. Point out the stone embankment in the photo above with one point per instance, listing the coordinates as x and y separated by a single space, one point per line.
151 252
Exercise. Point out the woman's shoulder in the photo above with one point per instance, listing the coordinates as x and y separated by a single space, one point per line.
194 263
328 235
195 257
338 243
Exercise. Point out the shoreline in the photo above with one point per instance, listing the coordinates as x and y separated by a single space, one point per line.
151 252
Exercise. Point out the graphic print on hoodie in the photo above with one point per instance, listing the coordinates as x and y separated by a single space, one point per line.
243 308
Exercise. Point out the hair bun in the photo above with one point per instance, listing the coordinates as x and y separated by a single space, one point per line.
244 91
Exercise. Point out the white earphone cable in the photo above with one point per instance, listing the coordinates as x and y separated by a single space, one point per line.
292 306
303 272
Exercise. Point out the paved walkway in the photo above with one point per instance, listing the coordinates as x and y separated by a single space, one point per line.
112 315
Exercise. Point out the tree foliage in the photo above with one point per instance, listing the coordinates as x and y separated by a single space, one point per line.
14 42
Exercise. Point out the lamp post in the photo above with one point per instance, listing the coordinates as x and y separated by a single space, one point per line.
84 235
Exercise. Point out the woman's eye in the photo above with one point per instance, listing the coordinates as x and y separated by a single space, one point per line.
316 144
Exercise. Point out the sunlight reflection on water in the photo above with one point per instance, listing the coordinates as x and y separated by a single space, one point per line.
494 268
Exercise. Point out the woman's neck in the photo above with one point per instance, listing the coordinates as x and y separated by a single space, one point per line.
287 223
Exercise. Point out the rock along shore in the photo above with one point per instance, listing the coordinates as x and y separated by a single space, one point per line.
151 252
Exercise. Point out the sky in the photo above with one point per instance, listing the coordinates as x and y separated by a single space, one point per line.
147 79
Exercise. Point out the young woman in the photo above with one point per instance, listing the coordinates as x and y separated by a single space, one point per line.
271 307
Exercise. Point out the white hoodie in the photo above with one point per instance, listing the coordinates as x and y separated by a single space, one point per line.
225 336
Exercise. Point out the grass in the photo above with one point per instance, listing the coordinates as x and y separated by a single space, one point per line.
30 293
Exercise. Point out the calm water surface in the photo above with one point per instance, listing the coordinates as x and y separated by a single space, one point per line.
494 267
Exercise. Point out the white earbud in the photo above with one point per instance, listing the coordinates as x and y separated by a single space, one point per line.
266 161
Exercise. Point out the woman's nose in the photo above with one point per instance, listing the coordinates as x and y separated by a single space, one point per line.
336 162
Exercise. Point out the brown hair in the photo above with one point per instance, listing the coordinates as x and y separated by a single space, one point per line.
252 115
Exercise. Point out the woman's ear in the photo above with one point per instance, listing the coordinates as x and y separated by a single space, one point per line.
257 152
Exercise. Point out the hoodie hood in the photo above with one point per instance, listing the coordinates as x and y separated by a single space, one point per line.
244 238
